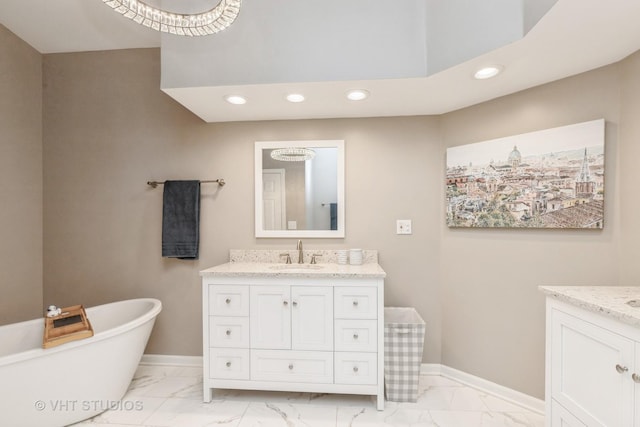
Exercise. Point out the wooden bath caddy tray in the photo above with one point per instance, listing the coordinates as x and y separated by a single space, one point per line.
69 326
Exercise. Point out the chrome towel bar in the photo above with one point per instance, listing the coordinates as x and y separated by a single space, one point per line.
220 182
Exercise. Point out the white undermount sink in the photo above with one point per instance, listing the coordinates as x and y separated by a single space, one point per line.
294 267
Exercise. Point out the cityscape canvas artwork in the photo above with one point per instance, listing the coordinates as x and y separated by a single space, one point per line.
552 178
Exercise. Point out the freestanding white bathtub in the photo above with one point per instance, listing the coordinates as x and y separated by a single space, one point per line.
78 380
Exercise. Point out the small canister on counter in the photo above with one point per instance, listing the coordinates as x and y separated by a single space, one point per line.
355 256
343 256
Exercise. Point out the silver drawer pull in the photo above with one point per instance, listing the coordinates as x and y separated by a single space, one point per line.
228 301
228 364
355 303
355 336
286 303
635 378
228 332
621 369
355 369
290 366
295 303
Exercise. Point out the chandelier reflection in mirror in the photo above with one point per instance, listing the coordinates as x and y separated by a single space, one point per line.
293 154
211 21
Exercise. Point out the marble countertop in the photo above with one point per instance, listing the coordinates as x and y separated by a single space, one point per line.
268 269
610 301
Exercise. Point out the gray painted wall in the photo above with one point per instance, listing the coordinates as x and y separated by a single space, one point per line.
20 179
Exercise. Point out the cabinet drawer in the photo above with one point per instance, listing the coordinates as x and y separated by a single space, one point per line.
227 300
356 335
229 331
356 368
292 366
229 363
356 302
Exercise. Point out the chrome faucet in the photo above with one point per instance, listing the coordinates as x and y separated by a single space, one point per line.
300 255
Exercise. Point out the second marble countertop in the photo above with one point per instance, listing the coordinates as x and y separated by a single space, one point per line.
611 301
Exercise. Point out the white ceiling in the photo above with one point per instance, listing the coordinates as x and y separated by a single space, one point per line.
573 37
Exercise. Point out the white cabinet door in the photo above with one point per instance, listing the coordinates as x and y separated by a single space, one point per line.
270 324
312 318
590 372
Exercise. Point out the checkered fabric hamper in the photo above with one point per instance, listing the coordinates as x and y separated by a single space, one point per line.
403 342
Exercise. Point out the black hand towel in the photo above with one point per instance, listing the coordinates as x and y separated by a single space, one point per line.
181 219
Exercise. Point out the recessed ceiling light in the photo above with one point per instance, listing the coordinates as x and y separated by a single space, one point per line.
235 99
487 72
295 97
357 94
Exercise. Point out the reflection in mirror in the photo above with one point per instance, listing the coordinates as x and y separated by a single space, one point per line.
299 188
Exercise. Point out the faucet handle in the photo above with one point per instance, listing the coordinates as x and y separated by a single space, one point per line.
313 258
288 260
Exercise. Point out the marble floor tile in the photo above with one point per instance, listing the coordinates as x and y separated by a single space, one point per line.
496 404
172 397
91 423
457 418
392 416
130 410
165 386
468 399
528 418
271 414
176 412
427 381
485 419
453 396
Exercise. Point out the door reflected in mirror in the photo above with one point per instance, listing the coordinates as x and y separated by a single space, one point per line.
299 188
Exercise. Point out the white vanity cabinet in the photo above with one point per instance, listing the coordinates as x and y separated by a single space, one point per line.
283 332
592 368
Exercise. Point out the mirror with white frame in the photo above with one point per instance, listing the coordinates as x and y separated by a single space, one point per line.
299 188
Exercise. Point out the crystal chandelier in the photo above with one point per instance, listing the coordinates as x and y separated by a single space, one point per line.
198 24
293 154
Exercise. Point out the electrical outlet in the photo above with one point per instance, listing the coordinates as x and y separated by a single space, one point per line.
403 226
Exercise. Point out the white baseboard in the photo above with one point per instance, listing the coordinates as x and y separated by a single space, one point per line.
518 398
171 360
510 395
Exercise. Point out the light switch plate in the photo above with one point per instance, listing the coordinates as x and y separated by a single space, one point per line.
403 226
